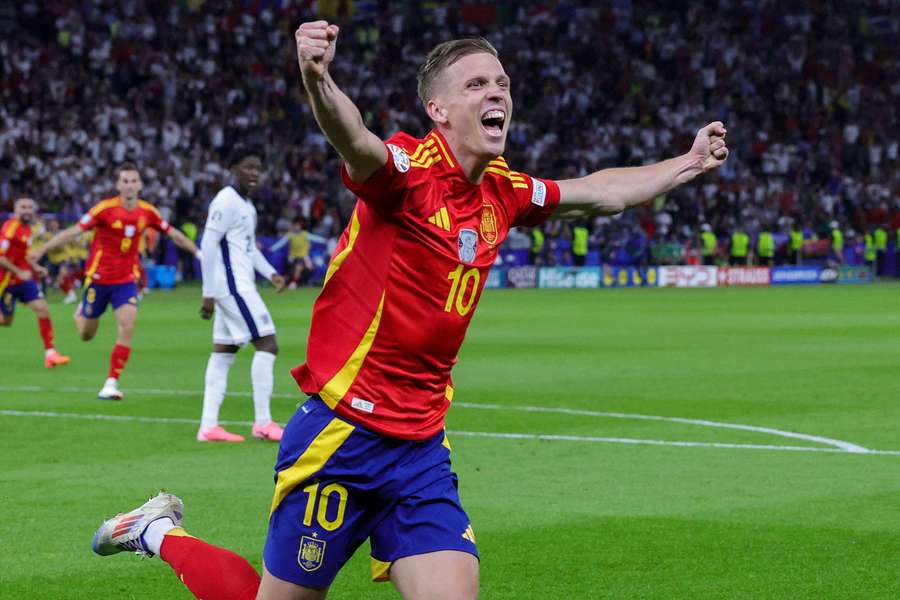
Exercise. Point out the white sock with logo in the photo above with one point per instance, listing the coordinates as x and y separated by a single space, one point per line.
216 384
261 375
155 532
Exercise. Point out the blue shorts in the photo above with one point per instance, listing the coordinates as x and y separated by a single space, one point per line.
26 292
338 483
97 297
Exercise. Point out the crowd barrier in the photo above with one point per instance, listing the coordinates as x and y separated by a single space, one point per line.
672 276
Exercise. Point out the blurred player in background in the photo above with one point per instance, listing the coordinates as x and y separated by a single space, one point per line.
59 263
110 275
300 265
230 259
366 457
19 277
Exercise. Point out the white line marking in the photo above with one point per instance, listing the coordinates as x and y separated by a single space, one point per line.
840 444
484 434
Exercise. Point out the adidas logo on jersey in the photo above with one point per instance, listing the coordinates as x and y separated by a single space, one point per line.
441 219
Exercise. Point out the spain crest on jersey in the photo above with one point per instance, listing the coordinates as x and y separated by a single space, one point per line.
467 245
489 224
311 554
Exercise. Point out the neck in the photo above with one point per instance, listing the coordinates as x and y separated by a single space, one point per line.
241 190
129 203
472 165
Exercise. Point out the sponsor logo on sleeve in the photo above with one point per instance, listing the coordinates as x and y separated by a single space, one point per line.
363 405
4 245
467 245
86 219
538 192
401 158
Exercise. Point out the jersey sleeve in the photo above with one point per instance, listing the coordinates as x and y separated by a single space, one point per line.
155 219
534 202
221 212
91 218
6 235
385 188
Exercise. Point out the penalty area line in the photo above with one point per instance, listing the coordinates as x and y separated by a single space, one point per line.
481 434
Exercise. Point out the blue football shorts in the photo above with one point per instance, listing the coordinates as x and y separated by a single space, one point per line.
97 297
25 292
338 483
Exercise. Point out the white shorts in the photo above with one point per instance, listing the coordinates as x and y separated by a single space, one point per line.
240 318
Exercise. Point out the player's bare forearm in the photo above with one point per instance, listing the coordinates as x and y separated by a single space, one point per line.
183 242
342 124
611 191
337 116
7 265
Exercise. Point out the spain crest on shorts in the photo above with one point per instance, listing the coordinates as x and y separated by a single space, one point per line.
489 224
311 554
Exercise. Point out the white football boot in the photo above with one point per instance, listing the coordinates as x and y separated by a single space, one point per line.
110 390
125 531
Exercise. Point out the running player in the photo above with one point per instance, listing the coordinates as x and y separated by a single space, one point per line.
366 456
110 274
229 259
17 277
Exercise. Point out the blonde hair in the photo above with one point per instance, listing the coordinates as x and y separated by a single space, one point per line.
442 56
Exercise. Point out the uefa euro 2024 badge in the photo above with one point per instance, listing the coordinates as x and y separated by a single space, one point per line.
401 158
467 244
311 554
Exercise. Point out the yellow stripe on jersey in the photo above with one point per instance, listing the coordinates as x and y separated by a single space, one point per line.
448 393
312 460
11 230
429 144
337 387
446 443
342 255
427 159
443 150
5 282
445 217
103 205
441 219
93 268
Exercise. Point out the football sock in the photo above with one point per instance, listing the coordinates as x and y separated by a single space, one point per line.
117 359
46 328
209 571
154 533
261 375
216 384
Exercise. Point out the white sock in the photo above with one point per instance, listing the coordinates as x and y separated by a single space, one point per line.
216 384
111 381
155 532
262 378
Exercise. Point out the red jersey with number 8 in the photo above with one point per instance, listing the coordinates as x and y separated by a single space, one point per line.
404 282
114 251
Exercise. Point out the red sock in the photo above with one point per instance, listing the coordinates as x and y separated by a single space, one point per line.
46 328
209 572
117 359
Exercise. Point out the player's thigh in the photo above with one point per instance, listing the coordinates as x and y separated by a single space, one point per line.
126 317
94 301
229 324
325 505
258 314
273 588
441 575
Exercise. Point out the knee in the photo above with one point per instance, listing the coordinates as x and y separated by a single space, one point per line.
267 344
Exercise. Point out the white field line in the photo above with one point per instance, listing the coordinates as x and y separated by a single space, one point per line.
454 433
838 444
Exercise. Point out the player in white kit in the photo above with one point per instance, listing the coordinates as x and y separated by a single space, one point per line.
230 259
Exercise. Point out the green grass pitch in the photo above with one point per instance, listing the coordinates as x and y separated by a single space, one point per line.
589 516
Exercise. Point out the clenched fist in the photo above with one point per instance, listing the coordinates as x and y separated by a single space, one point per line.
316 42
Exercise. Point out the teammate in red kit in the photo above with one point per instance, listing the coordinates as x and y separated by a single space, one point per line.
17 277
110 270
367 457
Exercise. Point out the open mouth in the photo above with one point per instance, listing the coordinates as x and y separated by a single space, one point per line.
492 121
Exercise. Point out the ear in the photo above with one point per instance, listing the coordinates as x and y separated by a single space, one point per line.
437 113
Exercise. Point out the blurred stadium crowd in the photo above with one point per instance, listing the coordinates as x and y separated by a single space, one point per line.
809 91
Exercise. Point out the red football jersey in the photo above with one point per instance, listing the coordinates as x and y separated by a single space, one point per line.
15 238
114 250
404 282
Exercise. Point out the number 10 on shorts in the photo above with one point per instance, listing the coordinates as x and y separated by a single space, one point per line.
322 499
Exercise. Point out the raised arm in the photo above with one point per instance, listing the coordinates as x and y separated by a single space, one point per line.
337 116
611 191
63 237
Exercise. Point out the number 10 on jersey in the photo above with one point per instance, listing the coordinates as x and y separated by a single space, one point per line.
461 295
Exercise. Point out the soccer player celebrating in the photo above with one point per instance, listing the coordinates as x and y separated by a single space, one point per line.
366 456
17 275
110 273
229 259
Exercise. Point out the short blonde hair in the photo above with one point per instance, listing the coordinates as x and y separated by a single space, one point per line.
442 56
